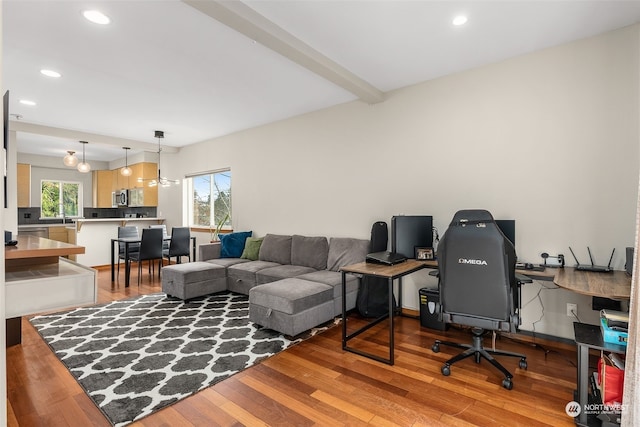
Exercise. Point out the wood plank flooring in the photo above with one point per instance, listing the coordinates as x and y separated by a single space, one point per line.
315 383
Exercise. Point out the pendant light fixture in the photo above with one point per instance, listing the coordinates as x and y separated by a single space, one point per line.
160 180
126 170
70 159
84 167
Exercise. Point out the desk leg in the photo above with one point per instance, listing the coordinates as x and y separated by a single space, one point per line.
113 260
344 310
391 317
583 382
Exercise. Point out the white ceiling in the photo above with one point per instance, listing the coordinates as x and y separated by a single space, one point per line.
169 65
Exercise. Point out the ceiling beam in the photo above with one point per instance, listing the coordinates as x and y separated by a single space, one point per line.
247 21
19 126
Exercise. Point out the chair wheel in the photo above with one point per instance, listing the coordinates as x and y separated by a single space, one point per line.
523 363
435 348
507 383
446 370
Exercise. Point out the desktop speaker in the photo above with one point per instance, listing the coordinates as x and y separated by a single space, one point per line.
628 266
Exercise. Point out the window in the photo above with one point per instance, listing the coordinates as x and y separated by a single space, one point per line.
210 200
60 199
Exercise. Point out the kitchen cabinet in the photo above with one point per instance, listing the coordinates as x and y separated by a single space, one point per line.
140 194
24 185
102 188
121 182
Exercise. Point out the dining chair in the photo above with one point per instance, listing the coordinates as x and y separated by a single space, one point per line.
179 244
165 236
127 232
150 250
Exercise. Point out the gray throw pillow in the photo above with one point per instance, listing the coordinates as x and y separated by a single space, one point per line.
276 248
346 251
309 251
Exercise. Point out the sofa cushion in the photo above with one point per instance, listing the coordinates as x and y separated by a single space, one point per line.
226 262
290 295
276 248
333 279
252 248
233 244
345 251
309 251
272 274
246 271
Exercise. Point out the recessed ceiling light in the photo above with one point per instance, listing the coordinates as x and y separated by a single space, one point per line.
96 17
51 73
27 102
459 20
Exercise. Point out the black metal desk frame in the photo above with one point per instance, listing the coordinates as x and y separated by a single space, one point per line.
391 273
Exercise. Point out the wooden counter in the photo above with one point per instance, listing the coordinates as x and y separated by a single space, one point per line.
32 250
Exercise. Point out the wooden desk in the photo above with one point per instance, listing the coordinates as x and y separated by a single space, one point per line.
390 272
614 285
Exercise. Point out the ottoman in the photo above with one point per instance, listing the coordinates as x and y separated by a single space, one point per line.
291 306
193 279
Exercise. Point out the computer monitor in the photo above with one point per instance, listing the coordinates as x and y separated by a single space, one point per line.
409 232
508 228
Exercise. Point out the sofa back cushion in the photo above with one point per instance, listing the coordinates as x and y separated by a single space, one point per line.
276 248
233 244
345 251
309 251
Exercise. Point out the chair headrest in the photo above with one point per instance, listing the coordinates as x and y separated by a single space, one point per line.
471 215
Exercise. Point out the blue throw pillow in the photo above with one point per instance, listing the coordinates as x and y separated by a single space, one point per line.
233 244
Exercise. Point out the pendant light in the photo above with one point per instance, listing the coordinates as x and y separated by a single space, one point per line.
126 170
84 167
70 159
159 180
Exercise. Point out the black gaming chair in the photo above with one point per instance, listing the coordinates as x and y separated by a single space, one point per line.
478 286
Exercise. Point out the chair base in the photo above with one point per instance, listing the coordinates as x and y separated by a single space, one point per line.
477 350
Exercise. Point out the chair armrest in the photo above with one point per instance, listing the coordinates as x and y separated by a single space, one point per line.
207 251
521 278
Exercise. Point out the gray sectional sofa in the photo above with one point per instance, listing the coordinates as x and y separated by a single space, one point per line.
295 283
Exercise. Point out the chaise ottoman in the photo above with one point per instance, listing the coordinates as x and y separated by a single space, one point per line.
291 306
193 279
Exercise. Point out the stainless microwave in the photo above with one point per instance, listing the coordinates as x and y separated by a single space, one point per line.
120 198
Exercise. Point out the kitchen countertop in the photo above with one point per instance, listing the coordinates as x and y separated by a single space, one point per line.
27 226
81 221
117 219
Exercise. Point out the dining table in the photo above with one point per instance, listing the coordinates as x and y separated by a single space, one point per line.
127 243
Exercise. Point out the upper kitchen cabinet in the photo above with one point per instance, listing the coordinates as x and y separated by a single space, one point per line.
121 182
103 188
142 173
24 185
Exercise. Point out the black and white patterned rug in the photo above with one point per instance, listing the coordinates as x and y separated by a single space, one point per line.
136 356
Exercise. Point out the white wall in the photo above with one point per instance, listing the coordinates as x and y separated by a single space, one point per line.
549 139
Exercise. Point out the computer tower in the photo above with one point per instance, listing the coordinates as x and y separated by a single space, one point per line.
409 232
429 299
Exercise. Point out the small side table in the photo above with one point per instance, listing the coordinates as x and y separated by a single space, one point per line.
588 337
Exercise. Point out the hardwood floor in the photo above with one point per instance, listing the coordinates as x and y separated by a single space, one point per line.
315 383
